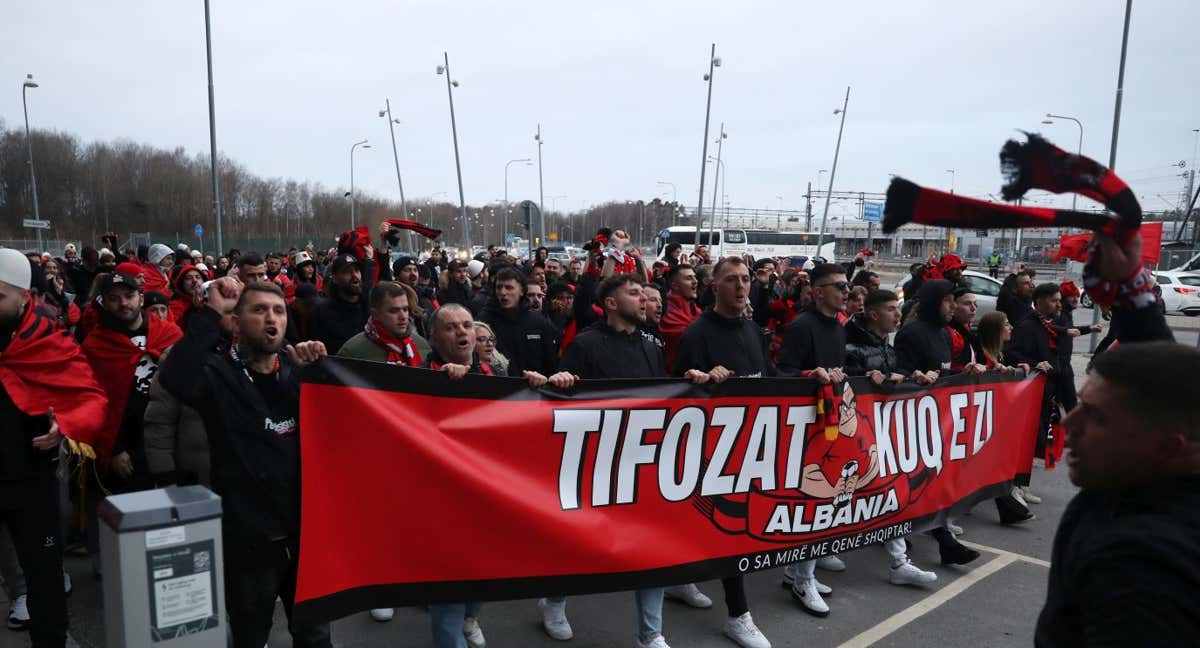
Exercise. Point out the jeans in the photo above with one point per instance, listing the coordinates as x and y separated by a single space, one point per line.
897 550
446 621
649 610
30 512
806 570
254 575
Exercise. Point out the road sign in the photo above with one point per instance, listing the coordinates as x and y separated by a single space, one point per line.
873 212
35 224
509 238
199 230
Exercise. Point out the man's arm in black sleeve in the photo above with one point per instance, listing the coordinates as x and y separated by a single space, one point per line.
181 373
794 352
689 354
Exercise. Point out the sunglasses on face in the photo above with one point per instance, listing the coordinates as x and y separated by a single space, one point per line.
841 286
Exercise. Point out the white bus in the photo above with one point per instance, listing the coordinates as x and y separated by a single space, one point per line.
757 243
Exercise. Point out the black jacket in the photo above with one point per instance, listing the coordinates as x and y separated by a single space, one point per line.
738 344
1031 343
811 341
924 343
601 351
867 352
456 294
524 336
333 321
254 441
19 460
1125 569
761 296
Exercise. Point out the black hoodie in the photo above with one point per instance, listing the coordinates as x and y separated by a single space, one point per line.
601 351
924 343
712 340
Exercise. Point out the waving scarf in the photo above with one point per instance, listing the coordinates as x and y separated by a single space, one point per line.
1038 164
114 359
424 230
400 351
43 368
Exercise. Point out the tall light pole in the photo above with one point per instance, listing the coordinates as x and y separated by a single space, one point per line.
387 112
541 191
1050 120
713 63
951 172
30 83
527 162
462 201
779 217
212 130
352 147
833 169
712 216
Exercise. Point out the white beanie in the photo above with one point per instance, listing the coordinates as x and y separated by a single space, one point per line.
14 269
158 252
474 267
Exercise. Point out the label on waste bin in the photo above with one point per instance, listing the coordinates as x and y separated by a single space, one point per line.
163 537
183 590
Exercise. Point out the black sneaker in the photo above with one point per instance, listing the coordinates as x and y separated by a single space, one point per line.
957 554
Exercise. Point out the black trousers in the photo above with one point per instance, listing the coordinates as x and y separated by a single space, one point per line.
254 575
30 510
735 596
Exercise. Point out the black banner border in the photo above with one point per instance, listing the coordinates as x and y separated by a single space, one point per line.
347 602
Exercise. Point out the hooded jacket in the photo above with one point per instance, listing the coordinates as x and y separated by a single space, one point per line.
601 351
524 336
924 343
866 352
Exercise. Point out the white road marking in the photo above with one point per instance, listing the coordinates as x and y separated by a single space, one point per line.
930 603
1022 557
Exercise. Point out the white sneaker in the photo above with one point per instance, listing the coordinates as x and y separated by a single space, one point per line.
1019 496
744 633
805 591
554 620
789 577
1029 496
910 574
831 563
657 642
18 614
67 583
473 633
954 529
689 595
383 615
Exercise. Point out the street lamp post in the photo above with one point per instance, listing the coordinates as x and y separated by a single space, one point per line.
352 147
541 191
779 216
527 162
212 130
387 112
30 83
462 201
1050 120
713 63
712 216
674 197
833 170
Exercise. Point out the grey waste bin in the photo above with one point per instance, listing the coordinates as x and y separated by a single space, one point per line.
160 553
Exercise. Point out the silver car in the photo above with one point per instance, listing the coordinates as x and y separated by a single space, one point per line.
985 288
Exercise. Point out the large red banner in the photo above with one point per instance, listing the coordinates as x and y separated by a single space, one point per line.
419 489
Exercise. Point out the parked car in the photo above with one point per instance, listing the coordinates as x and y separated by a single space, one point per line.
985 288
1180 291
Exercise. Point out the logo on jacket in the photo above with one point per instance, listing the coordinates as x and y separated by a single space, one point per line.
281 428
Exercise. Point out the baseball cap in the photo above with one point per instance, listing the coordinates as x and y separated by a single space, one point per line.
344 261
116 280
474 267
154 298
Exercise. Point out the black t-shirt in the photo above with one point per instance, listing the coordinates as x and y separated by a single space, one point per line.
1126 569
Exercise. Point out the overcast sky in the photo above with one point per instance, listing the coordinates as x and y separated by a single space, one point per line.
617 87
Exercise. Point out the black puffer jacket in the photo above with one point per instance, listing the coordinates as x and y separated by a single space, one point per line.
866 352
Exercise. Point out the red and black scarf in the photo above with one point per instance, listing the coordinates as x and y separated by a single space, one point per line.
1037 164
114 359
424 230
43 368
400 351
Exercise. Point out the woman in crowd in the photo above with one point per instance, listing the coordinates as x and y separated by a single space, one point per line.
485 344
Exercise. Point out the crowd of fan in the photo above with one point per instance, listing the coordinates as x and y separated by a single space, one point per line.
195 353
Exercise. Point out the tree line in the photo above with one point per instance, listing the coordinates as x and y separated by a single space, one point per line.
128 188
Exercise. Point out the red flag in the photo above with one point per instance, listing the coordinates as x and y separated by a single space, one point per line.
1075 246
